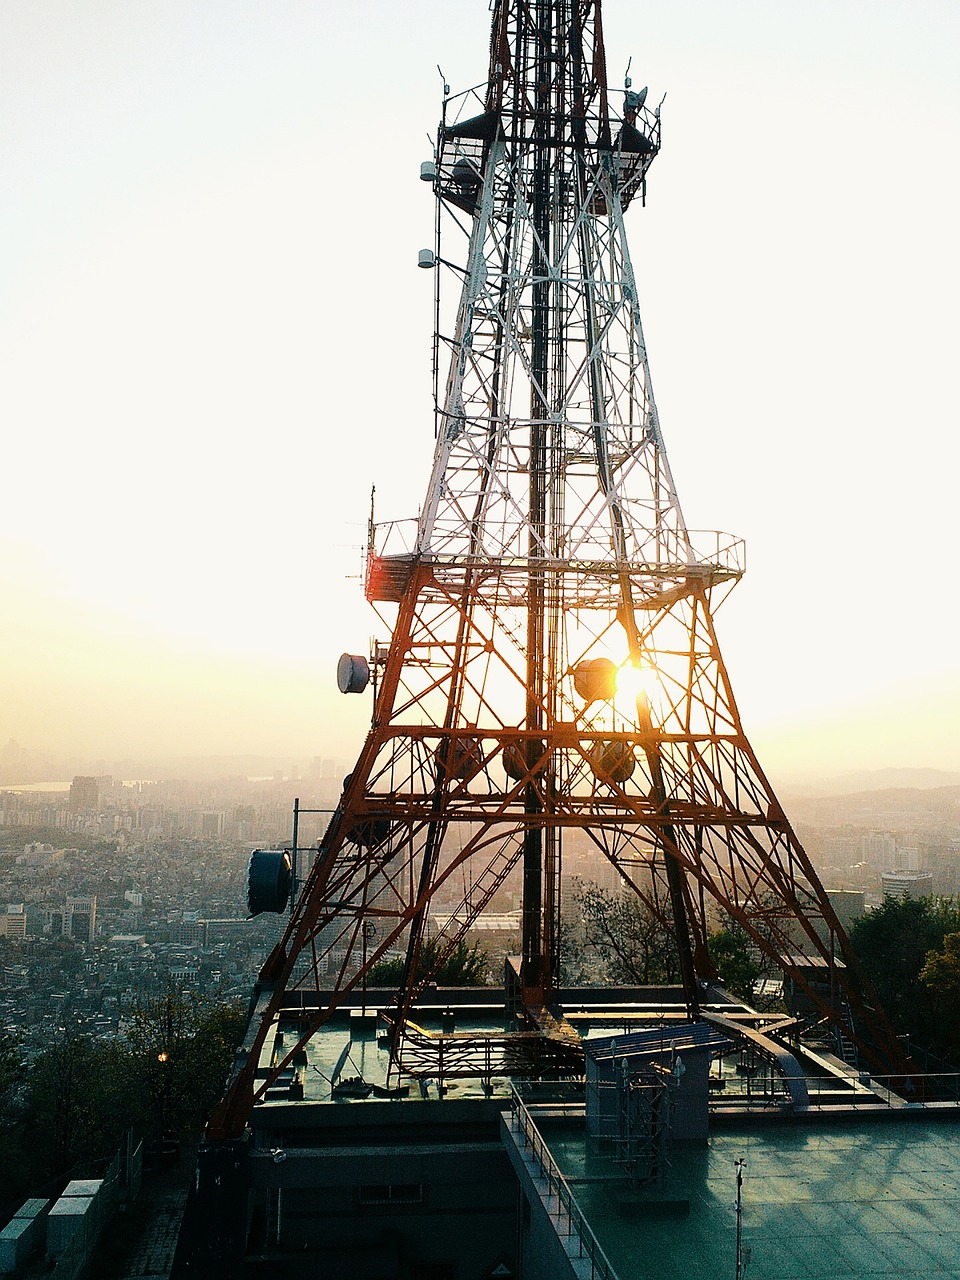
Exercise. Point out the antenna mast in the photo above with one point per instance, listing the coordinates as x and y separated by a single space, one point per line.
553 669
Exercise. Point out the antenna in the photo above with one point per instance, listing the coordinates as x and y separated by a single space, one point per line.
739 1165
446 87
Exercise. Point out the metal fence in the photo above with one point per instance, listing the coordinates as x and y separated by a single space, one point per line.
568 1216
860 1090
866 1090
132 1173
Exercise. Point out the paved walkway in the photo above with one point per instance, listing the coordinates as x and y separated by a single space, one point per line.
140 1244
152 1253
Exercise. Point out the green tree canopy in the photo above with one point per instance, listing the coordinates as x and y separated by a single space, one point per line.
941 976
183 1045
11 1066
81 1096
732 952
941 969
80 1099
465 966
893 943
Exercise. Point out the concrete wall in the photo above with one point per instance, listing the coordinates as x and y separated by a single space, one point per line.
412 1189
22 1237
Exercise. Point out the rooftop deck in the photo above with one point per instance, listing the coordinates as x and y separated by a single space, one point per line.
859 1182
855 1199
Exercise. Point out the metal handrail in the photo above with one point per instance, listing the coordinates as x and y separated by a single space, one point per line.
710 547
856 1089
557 1186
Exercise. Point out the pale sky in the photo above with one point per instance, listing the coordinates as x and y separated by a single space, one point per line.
215 339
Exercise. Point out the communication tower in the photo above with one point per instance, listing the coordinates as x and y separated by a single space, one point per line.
553 663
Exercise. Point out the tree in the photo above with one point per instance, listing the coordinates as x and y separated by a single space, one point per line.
941 969
623 940
80 1099
81 1096
893 942
183 1046
211 1054
11 1074
11 1066
465 966
941 976
733 955
386 973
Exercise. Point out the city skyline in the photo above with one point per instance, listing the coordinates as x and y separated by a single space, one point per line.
211 230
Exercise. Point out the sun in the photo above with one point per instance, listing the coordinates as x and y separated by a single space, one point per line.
636 680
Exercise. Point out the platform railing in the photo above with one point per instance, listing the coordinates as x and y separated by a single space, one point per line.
860 1090
568 1211
698 549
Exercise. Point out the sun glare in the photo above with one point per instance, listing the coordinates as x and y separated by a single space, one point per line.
635 679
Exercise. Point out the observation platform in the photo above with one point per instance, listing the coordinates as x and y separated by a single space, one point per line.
857 1181
463 1045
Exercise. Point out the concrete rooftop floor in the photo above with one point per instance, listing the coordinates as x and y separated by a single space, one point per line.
862 1198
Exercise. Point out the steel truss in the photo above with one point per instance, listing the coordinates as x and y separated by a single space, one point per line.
644 1123
550 561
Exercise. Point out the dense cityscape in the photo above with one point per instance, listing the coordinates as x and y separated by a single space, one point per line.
112 890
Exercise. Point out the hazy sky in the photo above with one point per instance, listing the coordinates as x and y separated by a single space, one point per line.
215 339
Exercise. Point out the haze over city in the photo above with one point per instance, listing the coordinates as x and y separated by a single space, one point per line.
217 341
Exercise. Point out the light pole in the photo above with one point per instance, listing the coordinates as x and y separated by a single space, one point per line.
163 1058
740 1261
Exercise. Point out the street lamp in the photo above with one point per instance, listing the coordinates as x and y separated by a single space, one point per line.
163 1058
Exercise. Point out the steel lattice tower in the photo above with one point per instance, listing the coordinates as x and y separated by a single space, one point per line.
553 661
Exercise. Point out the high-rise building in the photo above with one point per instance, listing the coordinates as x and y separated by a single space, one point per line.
907 884
13 921
80 918
84 794
212 824
879 850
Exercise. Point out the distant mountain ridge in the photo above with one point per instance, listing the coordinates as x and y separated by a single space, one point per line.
855 783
